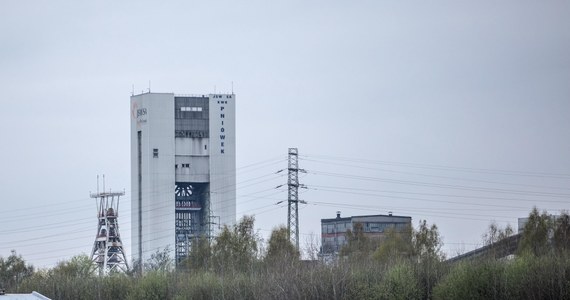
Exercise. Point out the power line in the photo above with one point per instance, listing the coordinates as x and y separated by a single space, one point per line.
449 186
434 176
378 193
445 168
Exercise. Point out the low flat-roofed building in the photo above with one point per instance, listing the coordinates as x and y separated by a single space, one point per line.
333 231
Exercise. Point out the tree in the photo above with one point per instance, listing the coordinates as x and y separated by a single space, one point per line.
136 268
280 249
427 243
79 266
358 246
72 279
200 254
235 248
160 261
561 238
536 234
312 246
395 246
13 270
495 234
493 237
427 251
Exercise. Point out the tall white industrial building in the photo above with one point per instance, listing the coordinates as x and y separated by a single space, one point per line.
183 174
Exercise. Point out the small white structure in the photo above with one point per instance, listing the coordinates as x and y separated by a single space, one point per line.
32 296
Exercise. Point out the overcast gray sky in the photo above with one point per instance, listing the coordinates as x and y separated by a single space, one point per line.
451 111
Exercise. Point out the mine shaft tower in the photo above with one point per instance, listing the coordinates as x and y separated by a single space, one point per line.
108 252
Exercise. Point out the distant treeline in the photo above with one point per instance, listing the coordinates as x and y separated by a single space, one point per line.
406 265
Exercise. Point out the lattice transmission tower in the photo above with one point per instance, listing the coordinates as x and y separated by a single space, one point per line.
293 196
108 252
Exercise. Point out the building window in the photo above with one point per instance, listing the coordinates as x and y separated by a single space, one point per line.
330 228
374 227
191 108
205 147
176 166
155 153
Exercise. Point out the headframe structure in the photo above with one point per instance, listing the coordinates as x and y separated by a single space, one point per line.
108 252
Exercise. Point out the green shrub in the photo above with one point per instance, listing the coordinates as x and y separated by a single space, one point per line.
400 282
546 277
153 285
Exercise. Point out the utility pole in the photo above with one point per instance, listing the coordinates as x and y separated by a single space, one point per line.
293 197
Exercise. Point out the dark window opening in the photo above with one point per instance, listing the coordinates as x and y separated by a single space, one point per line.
155 153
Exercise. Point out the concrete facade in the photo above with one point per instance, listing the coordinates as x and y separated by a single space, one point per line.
182 170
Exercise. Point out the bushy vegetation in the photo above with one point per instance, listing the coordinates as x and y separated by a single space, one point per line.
525 277
541 270
406 265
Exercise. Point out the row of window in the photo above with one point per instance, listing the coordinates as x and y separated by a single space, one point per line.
222 96
341 239
191 108
155 153
338 227
368 227
182 166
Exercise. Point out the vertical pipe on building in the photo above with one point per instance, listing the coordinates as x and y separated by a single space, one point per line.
139 200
